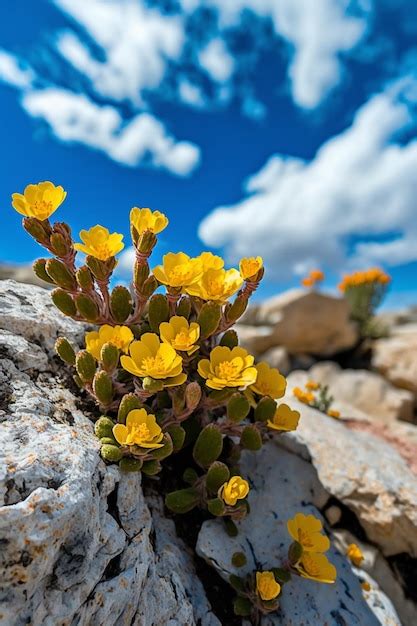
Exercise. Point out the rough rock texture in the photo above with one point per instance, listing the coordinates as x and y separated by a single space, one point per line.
396 357
367 391
307 322
281 485
363 472
79 543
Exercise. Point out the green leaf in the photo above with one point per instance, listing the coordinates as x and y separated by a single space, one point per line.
103 388
209 319
190 476
85 365
63 302
229 339
218 474
251 438
111 453
177 434
208 447
238 407
242 607
120 303
128 403
216 507
265 410
60 274
183 500
151 468
86 307
104 427
128 464
65 350
158 311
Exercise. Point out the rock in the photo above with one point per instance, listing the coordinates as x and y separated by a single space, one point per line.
363 472
309 322
79 542
283 484
367 391
277 357
396 357
256 339
22 274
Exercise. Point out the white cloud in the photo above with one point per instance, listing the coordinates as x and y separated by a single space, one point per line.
12 73
137 42
74 118
126 262
216 60
298 214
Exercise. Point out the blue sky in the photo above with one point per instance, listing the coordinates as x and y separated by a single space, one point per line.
285 128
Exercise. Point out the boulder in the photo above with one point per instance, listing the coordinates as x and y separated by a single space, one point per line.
283 484
80 544
366 391
309 322
396 357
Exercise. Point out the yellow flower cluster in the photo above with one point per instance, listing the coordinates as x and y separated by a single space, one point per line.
372 275
313 564
306 397
314 277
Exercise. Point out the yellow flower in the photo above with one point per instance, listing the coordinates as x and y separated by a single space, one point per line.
311 385
119 336
181 335
365 585
250 266
151 358
354 554
269 381
303 396
228 368
145 219
333 413
210 261
284 419
216 284
178 270
235 489
316 567
39 200
266 586
365 277
306 529
99 243
141 430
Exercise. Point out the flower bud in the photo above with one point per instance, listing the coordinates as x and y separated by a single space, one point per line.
101 269
265 410
158 311
128 403
65 350
40 271
128 464
111 440
85 365
183 500
146 242
103 388
59 245
141 273
251 438
64 302
177 434
37 229
229 339
151 468
237 408
149 286
208 446
218 474
120 303
109 357
86 307
216 507
84 278
110 453
151 385
104 427
60 274
209 319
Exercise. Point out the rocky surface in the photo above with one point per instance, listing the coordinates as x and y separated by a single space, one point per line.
396 357
79 542
363 390
304 322
281 485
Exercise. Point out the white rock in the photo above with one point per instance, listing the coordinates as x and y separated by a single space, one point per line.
282 484
277 357
256 339
396 357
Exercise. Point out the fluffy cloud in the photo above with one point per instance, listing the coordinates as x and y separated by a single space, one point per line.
12 73
74 118
216 60
298 214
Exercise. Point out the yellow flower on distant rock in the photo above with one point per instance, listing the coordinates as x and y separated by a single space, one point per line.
119 336
228 368
141 429
365 585
235 489
316 566
266 586
354 553
180 334
306 529
148 357
303 396
100 243
269 381
39 200
216 284
210 261
178 270
311 385
284 419
333 413
145 219
250 266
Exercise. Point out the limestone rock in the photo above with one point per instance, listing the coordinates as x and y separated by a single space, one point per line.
283 484
367 391
79 542
396 357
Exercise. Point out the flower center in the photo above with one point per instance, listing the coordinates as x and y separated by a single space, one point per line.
42 208
181 340
214 286
138 433
227 370
154 365
180 274
102 250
